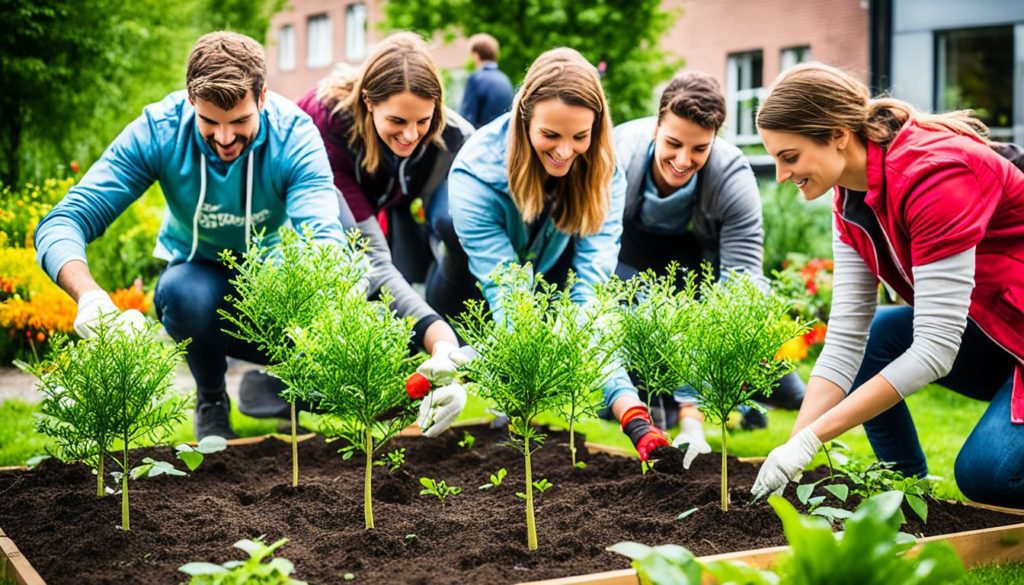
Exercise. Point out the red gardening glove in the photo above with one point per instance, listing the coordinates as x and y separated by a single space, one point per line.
417 386
646 437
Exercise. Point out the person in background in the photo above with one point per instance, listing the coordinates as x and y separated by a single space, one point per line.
488 90
692 198
924 204
540 185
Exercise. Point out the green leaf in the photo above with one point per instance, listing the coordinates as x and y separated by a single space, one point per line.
686 514
832 513
212 444
919 506
838 490
804 491
192 459
198 569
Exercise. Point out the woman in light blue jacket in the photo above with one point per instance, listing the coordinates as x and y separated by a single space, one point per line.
540 185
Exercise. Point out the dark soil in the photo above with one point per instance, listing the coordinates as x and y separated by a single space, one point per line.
479 536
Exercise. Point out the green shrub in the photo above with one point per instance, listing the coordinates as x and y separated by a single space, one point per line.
125 251
792 225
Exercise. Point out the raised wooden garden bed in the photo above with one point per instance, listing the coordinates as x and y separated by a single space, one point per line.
478 536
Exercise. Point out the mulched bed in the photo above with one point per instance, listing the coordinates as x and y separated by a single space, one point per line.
479 536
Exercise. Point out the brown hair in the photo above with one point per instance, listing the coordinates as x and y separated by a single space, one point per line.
583 196
817 100
485 46
224 66
694 96
400 63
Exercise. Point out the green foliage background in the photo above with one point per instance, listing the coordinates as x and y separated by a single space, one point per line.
75 72
625 34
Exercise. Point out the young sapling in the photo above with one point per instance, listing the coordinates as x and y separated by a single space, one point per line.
526 364
105 394
252 571
438 488
731 340
495 479
468 440
282 288
393 459
355 352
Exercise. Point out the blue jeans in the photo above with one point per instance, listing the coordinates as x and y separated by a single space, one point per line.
990 465
187 298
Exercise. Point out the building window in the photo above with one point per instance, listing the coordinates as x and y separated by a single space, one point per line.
355 32
319 52
744 95
286 48
793 56
975 71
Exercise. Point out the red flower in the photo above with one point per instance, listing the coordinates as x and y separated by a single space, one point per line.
816 334
417 386
74 167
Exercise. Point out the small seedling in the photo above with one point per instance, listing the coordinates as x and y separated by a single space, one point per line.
349 576
438 488
250 571
193 456
496 479
541 486
152 468
467 441
410 538
687 514
392 459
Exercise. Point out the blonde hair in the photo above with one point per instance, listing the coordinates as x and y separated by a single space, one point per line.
400 63
817 100
583 196
223 66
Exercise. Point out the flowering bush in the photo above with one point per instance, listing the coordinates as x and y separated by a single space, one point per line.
21 209
808 283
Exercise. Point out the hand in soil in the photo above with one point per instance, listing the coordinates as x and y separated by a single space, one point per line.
666 459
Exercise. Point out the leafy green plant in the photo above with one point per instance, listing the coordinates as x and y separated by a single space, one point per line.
541 485
251 571
438 488
468 440
495 479
867 480
106 393
731 340
282 288
870 551
393 459
193 456
355 353
528 362
792 225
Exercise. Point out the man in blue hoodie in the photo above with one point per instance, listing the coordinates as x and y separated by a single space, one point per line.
230 158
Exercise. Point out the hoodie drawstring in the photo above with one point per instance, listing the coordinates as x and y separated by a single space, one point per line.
202 199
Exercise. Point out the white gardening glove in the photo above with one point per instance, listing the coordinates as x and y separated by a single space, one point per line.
440 408
691 436
95 303
786 462
440 368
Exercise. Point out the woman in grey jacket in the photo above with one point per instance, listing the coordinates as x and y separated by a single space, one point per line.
692 198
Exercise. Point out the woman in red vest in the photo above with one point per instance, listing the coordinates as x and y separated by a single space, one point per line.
923 204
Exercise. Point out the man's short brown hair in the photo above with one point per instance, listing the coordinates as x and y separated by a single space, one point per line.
695 96
223 66
485 46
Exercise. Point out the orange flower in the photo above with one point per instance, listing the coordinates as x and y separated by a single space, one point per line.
132 297
816 334
794 350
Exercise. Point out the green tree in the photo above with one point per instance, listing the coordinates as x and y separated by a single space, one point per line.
75 72
624 34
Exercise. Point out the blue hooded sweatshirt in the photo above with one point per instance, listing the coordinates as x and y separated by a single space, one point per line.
282 175
492 230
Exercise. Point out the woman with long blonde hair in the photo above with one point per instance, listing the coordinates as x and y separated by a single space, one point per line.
540 185
923 204
390 142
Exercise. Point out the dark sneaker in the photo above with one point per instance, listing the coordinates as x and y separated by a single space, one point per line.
752 418
259 396
212 418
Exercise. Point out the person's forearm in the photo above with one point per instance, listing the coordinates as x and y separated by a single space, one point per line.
620 406
873 398
436 332
820 397
75 278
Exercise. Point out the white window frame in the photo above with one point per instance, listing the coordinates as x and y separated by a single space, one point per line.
790 57
355 31
740 67
319 41
286 48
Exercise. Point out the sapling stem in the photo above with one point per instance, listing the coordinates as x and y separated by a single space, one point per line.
572 441
725 472
367 492
99 477
125 521
531 524
295 451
